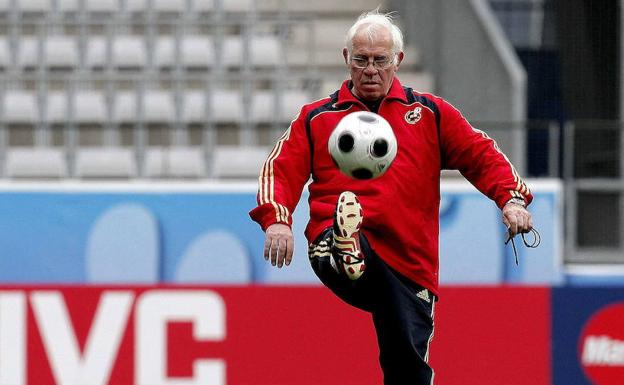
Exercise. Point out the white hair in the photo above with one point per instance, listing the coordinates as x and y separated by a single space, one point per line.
371 22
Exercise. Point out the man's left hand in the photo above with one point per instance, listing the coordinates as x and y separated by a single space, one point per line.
517 219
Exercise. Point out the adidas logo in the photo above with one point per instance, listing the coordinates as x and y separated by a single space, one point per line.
321 249
424 295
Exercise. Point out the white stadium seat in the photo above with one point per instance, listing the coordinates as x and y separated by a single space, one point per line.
227 106
35 162
264 109
194 107
28 51
203 5
169 5
292 102
263 106
61 51
195 52
20 107
237 162
56 106
156 162
158 106
321 28
58 51
104 6
164 51
232 51
136 5
186 162
105 162
125 107
263 51
96 51
68 5
90 106
157 5
179 162
127 51
38 6
236 5
92 6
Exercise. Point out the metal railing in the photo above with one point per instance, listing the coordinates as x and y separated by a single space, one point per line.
588 155
594 191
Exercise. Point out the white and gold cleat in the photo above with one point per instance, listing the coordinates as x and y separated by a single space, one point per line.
346 249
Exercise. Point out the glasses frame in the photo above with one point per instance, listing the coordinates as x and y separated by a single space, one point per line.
373 61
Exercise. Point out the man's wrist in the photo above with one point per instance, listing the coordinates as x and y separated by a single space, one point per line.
517 201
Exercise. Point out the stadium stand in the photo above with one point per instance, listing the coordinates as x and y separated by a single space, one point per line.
155 88
36 162
194 52
105 162
174 162
20 106
228 164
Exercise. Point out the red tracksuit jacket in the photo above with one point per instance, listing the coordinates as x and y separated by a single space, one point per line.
401 208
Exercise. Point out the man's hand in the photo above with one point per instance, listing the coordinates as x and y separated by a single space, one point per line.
279 244
517 219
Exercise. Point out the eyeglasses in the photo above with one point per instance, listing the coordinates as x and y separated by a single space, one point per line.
379 63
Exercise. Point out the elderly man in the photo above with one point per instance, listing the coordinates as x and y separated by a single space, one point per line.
374 243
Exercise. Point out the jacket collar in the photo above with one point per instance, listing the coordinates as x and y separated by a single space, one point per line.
346 96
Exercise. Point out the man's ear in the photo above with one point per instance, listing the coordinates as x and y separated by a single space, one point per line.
400 56
345 55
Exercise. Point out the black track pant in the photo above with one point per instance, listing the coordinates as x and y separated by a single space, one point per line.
402 315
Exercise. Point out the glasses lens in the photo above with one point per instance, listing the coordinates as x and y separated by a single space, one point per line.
381 63
360 62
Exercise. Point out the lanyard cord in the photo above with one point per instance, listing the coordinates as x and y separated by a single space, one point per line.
533 244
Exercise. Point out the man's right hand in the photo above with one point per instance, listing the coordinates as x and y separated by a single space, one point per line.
279 244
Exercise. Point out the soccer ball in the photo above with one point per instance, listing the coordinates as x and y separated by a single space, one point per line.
363 145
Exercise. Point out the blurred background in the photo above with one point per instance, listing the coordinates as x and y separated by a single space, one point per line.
131 137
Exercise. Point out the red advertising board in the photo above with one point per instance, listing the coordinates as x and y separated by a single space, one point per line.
492 336
258 335
166 335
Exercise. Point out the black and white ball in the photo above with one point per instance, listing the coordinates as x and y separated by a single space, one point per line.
363 145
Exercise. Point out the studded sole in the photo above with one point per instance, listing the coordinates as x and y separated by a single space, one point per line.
349 219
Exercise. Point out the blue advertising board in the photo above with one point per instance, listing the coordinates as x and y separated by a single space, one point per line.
87 232
588 335
472 249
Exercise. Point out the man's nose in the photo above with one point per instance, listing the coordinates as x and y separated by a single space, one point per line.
370 69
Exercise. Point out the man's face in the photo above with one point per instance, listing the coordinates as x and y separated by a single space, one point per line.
372 82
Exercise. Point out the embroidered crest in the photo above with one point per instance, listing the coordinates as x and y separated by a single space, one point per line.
413 116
